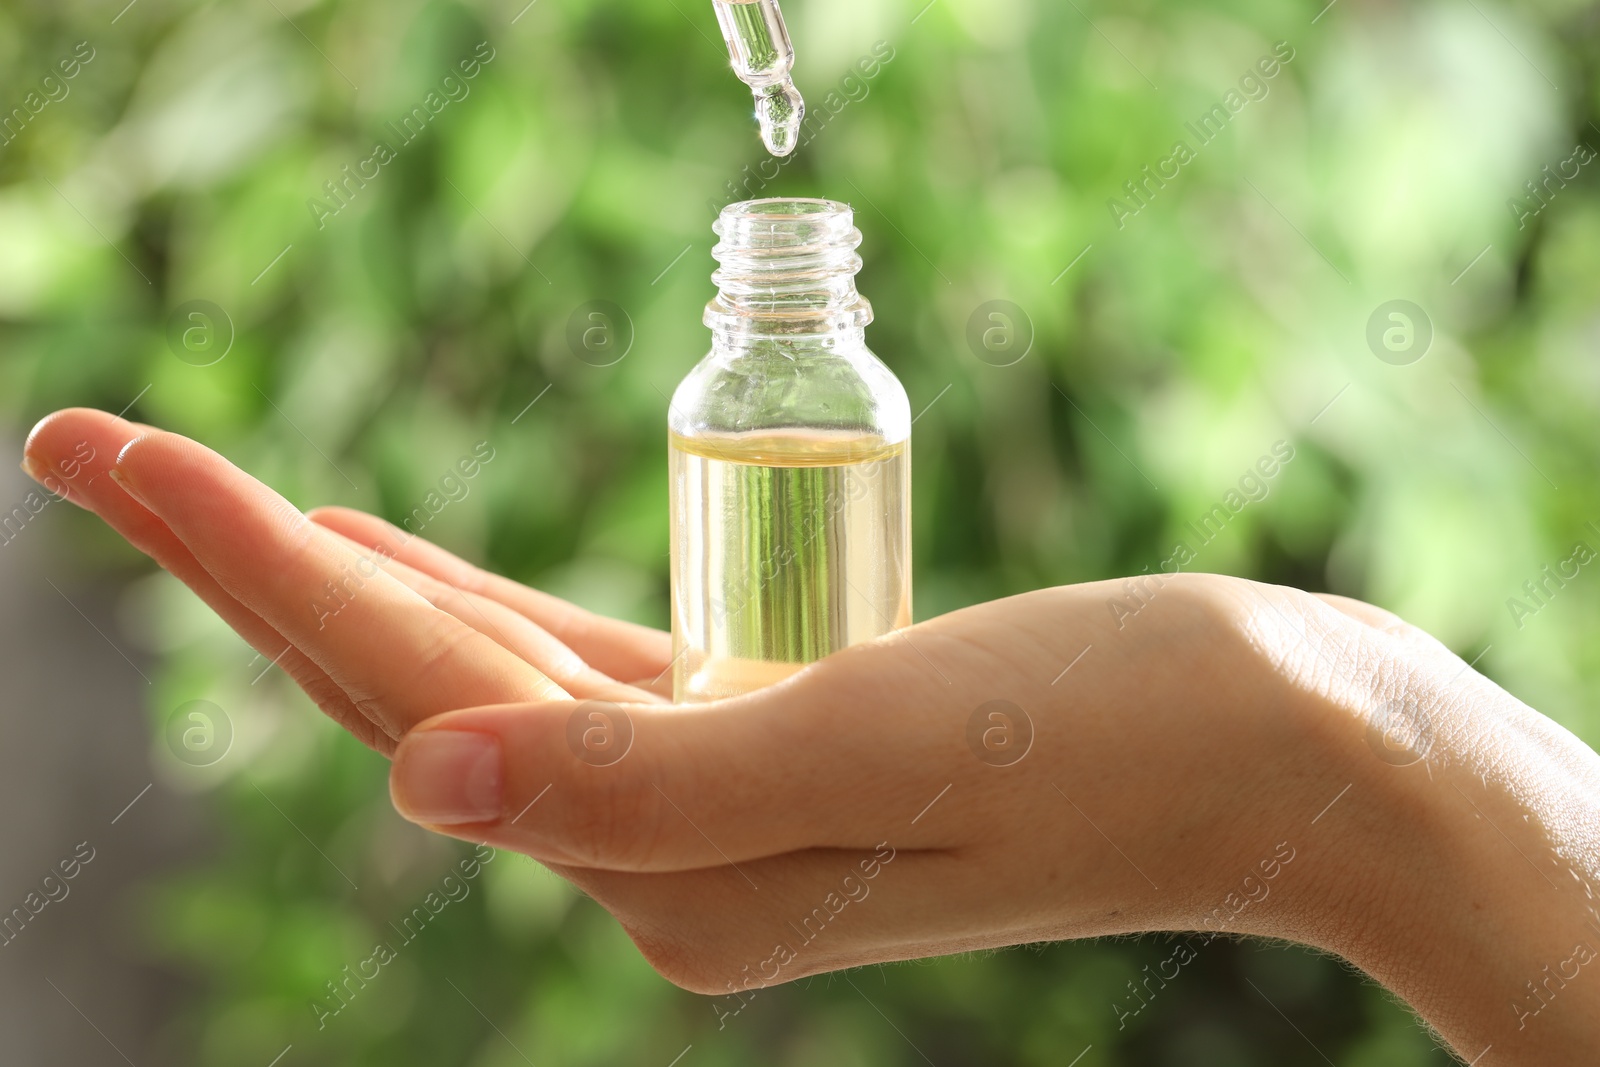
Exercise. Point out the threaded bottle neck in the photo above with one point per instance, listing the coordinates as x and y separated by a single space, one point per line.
788 267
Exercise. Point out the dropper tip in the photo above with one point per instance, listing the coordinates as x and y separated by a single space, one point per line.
780 110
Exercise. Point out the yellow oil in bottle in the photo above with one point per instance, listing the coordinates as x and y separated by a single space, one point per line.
786 547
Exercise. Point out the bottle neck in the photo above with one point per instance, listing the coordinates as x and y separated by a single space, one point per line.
787 269
757 342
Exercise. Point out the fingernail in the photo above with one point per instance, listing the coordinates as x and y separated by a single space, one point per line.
121 479
447 777
33 469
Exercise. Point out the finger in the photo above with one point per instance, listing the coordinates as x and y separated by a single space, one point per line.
398 658
647 788
71 453
621 650
514 632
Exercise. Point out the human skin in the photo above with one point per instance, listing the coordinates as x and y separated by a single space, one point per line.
1177 755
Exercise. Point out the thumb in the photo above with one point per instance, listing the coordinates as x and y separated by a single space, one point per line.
828 758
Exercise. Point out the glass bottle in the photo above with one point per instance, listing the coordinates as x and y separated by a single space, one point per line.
790 461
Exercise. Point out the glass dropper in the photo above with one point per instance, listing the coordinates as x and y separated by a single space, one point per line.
762 56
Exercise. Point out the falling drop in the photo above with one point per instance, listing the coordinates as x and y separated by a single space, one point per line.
780 111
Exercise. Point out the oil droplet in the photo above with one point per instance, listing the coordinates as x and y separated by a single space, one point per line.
780 110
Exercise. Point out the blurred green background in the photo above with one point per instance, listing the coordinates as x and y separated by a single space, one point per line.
370 349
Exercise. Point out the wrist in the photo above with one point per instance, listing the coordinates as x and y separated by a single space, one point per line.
1462 866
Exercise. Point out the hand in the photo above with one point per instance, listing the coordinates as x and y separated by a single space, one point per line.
1204 763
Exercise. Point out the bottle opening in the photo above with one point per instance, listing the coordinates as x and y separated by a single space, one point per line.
788 265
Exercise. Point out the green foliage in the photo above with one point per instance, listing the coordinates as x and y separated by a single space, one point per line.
374 345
